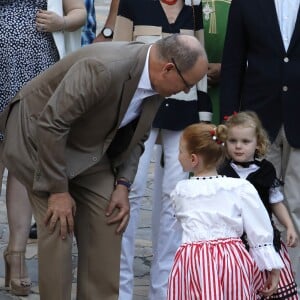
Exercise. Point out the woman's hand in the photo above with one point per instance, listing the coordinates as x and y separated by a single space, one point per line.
213 74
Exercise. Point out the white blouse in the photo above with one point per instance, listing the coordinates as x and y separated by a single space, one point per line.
275 196
210 208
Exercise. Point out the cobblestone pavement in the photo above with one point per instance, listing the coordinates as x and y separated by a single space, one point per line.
143 244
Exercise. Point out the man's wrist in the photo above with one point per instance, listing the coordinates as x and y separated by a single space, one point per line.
123 182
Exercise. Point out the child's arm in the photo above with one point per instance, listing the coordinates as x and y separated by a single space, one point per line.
283 216
258 228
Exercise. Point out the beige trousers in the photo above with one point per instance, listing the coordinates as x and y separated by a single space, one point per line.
286 160
98 245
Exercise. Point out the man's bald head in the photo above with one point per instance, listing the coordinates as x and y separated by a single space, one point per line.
176 63
184 49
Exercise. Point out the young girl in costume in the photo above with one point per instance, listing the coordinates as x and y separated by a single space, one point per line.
246 144
214 211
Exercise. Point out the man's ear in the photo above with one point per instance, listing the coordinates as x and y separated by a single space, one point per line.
168 67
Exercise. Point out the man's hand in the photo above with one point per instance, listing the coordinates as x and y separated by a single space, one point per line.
119 200
62 208
271 285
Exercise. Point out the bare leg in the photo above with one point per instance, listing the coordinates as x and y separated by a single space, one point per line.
19 219
18 213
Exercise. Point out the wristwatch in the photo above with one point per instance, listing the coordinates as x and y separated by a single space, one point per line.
107 32
123 181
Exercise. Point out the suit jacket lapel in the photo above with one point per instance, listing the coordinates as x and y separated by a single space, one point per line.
296 33
149 109
131 84
272 25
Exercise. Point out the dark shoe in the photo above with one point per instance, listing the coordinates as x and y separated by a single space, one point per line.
33 232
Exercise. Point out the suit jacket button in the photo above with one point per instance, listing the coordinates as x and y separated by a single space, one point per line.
286 59
285 88
94 158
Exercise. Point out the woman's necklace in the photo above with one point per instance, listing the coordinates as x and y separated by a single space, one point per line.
169 2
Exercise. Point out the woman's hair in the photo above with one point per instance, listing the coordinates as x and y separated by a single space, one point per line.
206 140
250 119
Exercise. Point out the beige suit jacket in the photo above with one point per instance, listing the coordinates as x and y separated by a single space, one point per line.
69 115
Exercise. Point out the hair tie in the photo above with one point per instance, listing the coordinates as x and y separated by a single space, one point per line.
213 134
226 118
214 137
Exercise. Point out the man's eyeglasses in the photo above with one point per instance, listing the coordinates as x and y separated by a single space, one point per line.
188 86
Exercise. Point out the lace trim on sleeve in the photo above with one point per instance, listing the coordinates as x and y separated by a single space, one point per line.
266 257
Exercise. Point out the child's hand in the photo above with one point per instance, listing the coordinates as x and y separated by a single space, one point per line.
271 285
49 21
291 237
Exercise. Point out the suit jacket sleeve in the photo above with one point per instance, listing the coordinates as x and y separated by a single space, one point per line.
126 167
129 168
126 163
82 87
233 62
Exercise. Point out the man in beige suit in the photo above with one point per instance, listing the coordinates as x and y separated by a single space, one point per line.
74 136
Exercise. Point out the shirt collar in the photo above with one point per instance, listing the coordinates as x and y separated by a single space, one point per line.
145 82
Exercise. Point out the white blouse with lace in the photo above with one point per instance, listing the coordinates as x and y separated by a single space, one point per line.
216 207
275 196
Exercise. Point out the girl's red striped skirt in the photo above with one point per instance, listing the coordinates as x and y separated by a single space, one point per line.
213 270
287 288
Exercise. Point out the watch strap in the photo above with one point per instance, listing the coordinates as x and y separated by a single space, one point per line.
124 182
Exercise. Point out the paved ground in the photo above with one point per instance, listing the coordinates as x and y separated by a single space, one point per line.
143 244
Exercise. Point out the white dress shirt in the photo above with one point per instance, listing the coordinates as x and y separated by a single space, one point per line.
144 90
287 11
275 196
